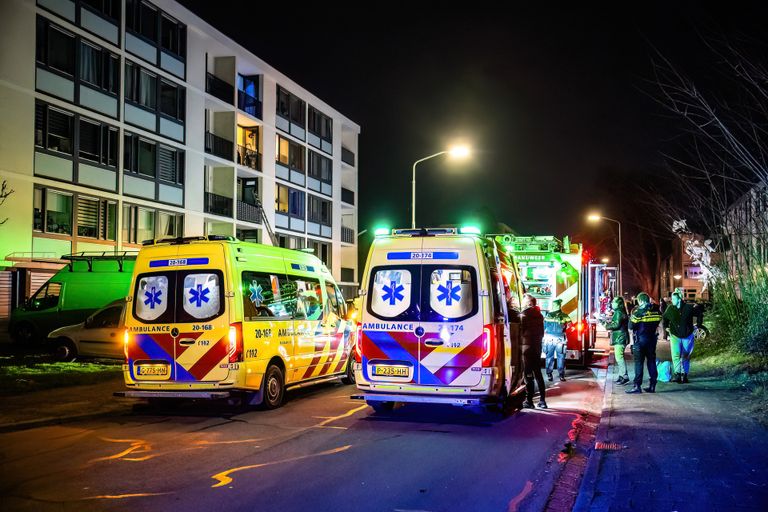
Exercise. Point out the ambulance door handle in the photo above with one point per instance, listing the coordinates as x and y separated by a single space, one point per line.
187 341
434 343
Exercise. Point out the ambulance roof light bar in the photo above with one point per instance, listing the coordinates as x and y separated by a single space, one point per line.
424 231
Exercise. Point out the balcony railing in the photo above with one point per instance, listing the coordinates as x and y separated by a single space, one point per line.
347 156
248 157
249 104
248 212
347 235
219 88
219 146
218 205
347 196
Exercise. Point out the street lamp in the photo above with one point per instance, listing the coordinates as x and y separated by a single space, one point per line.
454 152
605 260
596 217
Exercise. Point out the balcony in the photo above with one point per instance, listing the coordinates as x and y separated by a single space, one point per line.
249 104
217 87
218 146
347 235
248 212
218 205
347 196
347 156
248 157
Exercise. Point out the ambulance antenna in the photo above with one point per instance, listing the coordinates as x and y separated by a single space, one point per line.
267 226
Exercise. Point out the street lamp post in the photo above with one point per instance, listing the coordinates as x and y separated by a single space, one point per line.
596 218
459 152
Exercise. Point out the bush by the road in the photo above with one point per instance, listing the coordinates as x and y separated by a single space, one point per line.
34 373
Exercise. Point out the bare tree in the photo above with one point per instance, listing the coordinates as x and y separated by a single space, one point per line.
5 192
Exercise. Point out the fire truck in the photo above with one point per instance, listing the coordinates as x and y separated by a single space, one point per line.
551 269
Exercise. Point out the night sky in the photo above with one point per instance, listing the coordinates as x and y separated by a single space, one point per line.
551 100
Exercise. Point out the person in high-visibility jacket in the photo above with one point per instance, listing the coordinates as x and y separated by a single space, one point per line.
644 321
556 324
619 337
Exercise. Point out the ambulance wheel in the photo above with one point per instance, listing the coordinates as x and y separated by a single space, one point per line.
381 407
274 387
349 376
64 350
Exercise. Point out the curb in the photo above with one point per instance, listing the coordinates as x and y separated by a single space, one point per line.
57 420
589 480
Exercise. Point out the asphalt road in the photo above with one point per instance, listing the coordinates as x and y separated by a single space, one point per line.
321 451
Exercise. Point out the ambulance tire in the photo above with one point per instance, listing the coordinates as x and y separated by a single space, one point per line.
381 407
274 387
349 376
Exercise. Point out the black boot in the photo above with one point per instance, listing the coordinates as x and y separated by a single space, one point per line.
549 377
651 387
635 389
679 378
685 378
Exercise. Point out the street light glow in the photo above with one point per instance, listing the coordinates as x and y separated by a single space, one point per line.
594 217
677 277
459 152
605 260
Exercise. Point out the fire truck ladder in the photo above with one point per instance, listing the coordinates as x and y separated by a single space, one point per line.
266 224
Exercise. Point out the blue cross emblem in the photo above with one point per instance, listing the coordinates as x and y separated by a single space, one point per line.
198 296
257 297
393 292
449 294
153 297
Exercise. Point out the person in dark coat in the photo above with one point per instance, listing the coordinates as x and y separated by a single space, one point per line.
532 332
644 322
618 327
678 322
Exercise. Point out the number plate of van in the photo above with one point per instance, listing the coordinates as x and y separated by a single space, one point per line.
391 371
158 370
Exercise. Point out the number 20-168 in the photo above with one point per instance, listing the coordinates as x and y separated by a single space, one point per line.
203 327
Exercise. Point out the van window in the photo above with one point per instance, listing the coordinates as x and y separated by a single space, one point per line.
268 296
152 296
451 294
391 292
309 298
201 295
109 317
46 297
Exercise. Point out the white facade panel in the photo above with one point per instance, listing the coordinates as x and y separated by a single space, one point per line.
98 101
55 85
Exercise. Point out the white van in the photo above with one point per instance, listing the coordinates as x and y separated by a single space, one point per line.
435 325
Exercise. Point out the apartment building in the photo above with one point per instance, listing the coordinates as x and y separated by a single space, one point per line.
127 120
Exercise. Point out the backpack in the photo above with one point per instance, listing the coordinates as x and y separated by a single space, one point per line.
664 369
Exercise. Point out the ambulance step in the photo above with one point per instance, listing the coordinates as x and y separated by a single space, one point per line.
172 394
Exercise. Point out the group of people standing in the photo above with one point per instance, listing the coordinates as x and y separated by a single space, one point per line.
548 334
644 322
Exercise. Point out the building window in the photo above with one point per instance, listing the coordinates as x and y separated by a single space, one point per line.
149 159
140 86
52 211
158 28
319 210
289 201
322 250
290 153
54 129
320 167
298 111
108 8
172 100
55 47
289 242
96 218
320 124
140 224
170 164
169 225
283 103
99 68
97 143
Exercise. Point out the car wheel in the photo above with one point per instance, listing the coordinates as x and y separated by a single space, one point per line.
64 350
24 333
274 387
700 333
381 407
349 376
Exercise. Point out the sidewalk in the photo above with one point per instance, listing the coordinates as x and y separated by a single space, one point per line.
52 406
686 447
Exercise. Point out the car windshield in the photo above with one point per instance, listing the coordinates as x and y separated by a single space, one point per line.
179 296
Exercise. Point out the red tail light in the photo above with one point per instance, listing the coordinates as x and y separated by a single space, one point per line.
489 345
235 337
358 343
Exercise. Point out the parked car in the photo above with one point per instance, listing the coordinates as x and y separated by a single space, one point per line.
99 336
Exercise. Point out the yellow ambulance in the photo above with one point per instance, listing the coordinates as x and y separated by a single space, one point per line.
214 317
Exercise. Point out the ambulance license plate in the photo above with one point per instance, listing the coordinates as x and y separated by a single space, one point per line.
160 370
391 371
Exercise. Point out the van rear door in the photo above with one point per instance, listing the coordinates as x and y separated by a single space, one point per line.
451 350
390 334
181 306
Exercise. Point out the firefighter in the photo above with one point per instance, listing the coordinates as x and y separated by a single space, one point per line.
532 331
556 323
644 321
678 322
619 337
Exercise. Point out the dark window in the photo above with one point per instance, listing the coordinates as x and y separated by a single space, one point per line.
90 143
87 217
319 210
159 28
283 103
268 296
140 86
296 156
320 167
99 68
146 157
37 201
298 111
54 129
172 100
55 47
173 36
58 212
170 164
108 8
147 19
320 124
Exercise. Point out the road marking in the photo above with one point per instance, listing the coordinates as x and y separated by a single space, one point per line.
345 415
123 496
204 442
515 502
224 478
139 445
